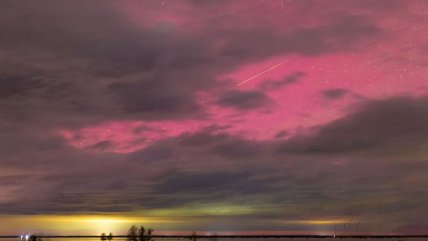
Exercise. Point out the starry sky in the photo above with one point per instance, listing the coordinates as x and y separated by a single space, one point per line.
218 116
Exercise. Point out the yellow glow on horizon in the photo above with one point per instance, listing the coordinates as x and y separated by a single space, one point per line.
74 224
97 224
177 218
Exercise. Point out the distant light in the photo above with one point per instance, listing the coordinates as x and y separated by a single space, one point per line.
26 237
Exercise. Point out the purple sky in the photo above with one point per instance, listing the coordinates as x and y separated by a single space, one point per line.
267 115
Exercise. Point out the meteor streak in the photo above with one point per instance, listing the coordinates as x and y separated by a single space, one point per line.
257 75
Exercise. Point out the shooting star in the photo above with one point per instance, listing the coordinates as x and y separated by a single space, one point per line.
257 75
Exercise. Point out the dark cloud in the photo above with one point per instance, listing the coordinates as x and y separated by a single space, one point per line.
207 145
281 134
397 123
20 143
87 74
237 149
335 94
133 100
154 153
65 181
200 184
58 33
102 145
11 86
243 100
275 85
204 137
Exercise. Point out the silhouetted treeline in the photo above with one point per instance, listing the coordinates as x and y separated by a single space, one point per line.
139 234
35 238
106 237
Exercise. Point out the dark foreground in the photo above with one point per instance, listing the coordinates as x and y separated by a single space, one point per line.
225 237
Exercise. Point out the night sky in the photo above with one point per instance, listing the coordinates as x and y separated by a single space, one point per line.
212 115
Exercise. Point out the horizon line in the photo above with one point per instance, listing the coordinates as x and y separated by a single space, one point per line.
237 236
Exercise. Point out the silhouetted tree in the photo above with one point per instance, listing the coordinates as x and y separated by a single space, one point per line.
110 236
139 234
132 233
103 237
144 235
